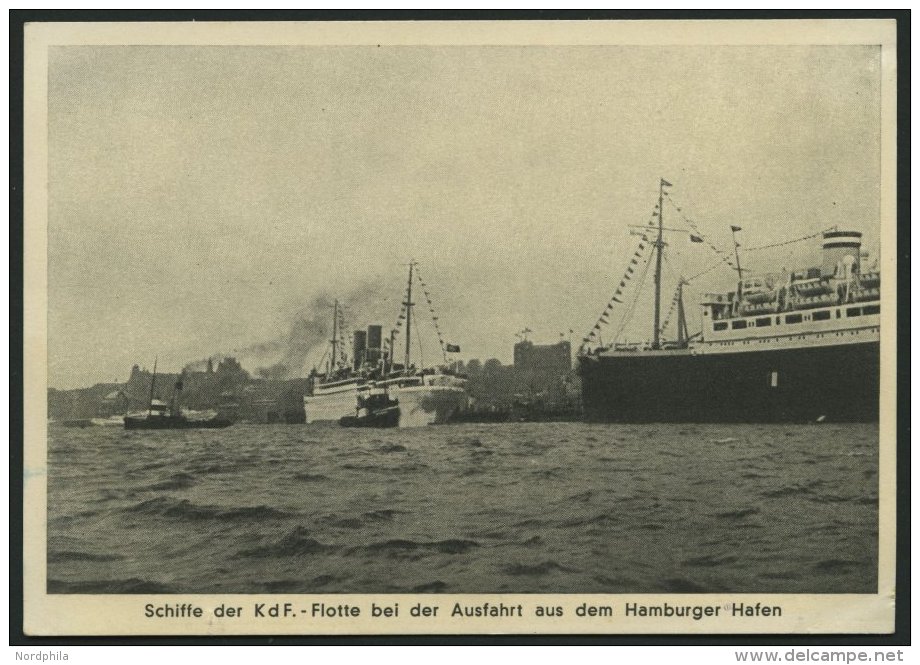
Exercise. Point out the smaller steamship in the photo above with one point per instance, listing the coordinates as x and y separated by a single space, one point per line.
365 389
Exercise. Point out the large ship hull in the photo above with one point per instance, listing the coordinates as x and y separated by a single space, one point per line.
329 408
419 405
838 383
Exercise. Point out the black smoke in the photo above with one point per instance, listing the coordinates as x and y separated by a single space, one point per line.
304 336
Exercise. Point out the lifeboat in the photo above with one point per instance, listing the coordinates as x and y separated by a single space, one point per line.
811 287
862 295
760 297
758 308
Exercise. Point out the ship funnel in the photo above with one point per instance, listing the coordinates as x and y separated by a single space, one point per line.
841 248
374 340
359 348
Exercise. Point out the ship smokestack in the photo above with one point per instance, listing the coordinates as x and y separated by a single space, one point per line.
374 342
837 246
359 348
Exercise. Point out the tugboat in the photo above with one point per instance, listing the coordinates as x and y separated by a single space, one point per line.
374 410
161 416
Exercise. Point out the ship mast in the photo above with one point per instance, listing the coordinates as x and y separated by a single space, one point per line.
392 351
153 382
735 229
408 306
735 242
659 246
334 359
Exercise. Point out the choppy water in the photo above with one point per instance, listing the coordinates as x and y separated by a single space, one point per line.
544 507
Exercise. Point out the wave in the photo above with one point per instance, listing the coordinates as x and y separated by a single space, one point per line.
779 576
185 509
651 526
310 477
531 521
342 522
370 517
207 467
465 441
681 585
322 580
430 587
296 542
833 565
708 561
832 498
130 585
72 555
385 515
412 467
738 514
790 490
533 570
392 448
177 481
600 518
399 546
547 474
150 466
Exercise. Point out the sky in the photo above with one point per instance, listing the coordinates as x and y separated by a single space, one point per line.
206 200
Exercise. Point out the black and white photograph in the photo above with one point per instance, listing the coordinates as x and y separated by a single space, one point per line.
525 324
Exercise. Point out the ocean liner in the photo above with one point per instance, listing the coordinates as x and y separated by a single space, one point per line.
424 395
788 346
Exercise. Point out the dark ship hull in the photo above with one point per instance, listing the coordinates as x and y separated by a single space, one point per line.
827 383
174 422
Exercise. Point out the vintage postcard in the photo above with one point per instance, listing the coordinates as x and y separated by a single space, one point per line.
341 328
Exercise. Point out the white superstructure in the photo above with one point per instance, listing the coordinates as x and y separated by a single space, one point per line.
331 401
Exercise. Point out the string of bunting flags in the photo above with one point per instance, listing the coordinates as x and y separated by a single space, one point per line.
434 317
644 247
791 242
394 332
698 236
627 316
705 272
754 249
